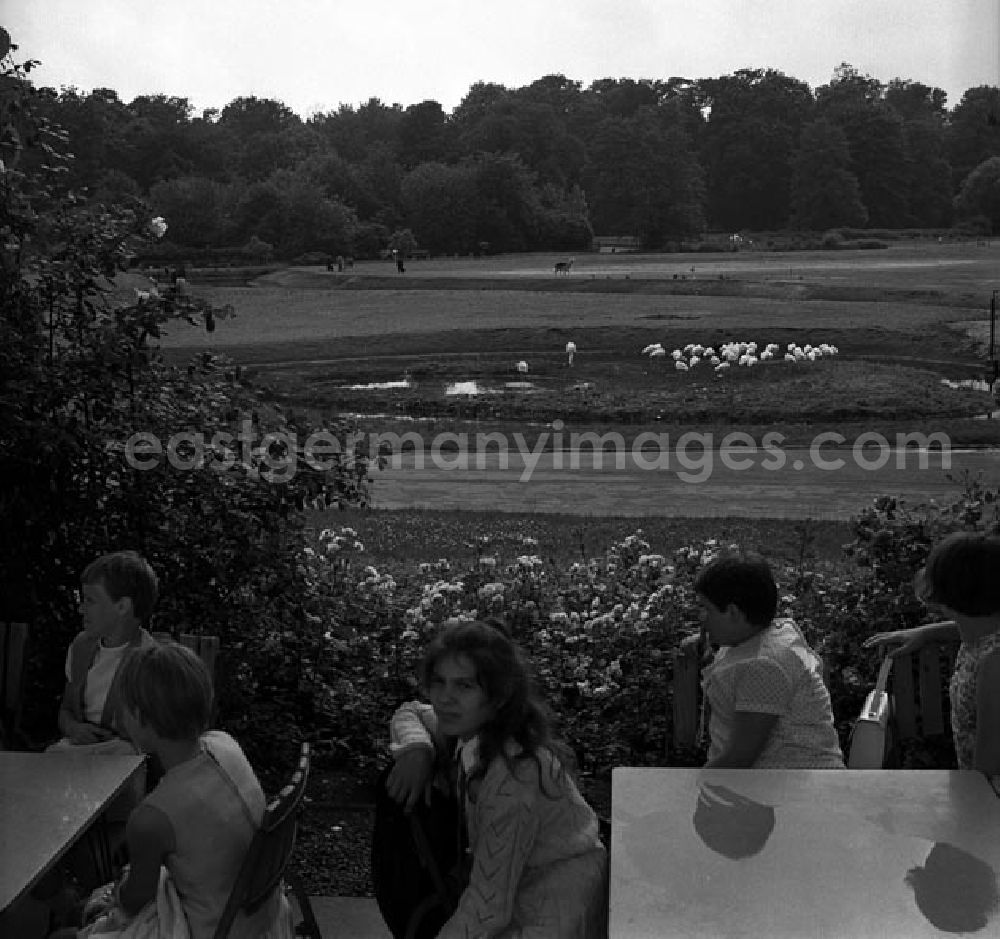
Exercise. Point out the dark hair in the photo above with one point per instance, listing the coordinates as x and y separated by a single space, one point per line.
169 688
125 574
745 580
502 672
963 573
955 890
732 824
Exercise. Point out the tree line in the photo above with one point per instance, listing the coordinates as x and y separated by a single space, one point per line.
544 166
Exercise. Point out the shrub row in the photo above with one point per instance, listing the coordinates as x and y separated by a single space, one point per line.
601 631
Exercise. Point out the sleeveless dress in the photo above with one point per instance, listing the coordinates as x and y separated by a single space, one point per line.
962 691
214 804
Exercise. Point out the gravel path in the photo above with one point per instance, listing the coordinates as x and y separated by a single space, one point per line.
333 849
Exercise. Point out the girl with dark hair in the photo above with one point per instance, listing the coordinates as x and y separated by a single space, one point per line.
536 864
962 579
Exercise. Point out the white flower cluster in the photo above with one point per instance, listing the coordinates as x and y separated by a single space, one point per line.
578 571
343 539
438 601
694 557
492 596
151 294
657 602
372 582
441 567
745 354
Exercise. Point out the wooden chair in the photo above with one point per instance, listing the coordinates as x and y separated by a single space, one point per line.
207 647
13 658
266 863
918 691
685 698
919 688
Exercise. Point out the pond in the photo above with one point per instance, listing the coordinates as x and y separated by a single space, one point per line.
379 385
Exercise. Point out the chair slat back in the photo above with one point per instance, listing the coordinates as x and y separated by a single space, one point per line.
929 682
206 647
904 697
919 686
13 646
686 688
270 851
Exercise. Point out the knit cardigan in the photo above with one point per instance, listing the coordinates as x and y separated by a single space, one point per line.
537 865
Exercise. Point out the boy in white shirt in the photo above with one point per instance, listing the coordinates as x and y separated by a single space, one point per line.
118 594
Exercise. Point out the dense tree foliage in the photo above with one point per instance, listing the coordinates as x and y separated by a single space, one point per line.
824 191
747 145
973 131
979 197
541 166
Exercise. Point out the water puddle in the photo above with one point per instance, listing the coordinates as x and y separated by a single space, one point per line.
465 388
403 418
470 388
379 385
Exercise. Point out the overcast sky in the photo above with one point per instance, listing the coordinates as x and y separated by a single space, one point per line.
317 54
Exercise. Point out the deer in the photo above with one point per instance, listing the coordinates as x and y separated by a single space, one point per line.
562 267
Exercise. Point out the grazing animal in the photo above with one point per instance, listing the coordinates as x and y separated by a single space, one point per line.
562 267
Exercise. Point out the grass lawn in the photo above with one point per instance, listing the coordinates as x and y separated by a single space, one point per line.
389 536
903 319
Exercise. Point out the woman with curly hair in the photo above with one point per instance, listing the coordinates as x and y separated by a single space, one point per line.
534 860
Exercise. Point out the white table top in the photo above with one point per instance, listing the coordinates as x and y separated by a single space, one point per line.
47 801
796 854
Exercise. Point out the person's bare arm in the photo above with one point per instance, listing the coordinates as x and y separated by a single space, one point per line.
411 777
78 732
150 838
902 641
412 743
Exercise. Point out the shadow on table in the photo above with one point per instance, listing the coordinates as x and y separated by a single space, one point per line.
955 890
731 824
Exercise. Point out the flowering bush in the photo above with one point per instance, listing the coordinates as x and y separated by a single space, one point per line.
600 631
